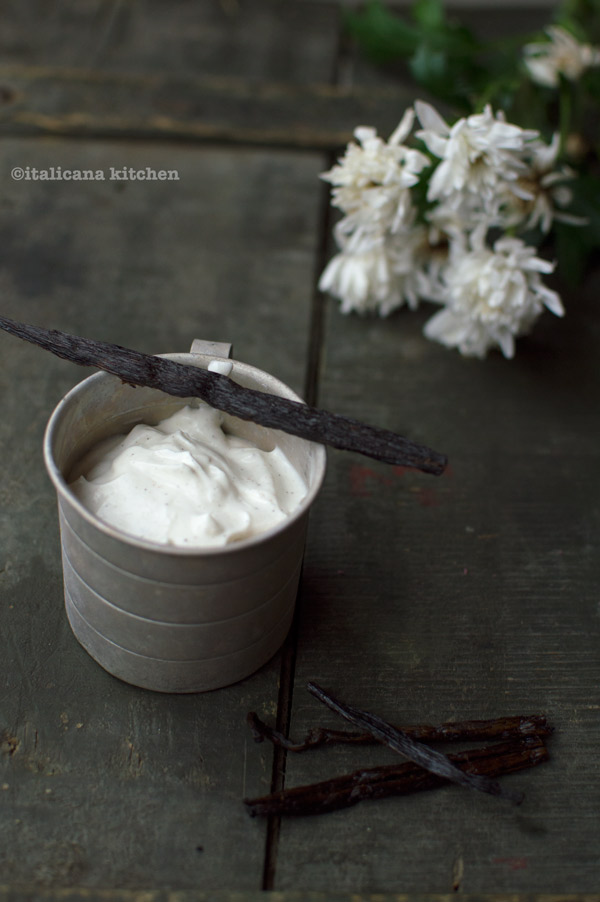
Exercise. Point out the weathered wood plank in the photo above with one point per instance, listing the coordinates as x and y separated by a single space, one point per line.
472 595
482 601
40 101
102 784
248 39
33 894
81 894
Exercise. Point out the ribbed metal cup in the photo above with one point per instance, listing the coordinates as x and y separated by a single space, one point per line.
165 618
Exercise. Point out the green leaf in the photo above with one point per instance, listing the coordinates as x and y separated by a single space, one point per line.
581 18
429 67
429 14
571 255
383 36
575 245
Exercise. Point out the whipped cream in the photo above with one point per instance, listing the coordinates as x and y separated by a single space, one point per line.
187 482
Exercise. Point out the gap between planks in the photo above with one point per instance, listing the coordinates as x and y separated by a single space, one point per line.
311 396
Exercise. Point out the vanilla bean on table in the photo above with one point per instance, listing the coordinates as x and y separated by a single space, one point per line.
398 779
219 391
399 741
453 731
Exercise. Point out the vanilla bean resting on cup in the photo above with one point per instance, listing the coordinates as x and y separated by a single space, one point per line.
276 412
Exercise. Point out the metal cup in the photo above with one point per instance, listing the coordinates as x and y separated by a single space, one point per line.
160 617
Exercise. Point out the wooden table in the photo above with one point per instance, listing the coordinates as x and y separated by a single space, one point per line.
422 599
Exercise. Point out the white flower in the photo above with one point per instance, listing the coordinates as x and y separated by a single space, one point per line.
541 190
376 274
492 297
376 269
372 181
561 55
462 212
477 154
362 281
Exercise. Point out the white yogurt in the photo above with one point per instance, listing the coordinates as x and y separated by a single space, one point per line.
186 482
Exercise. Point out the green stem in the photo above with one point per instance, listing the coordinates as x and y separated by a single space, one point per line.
565 101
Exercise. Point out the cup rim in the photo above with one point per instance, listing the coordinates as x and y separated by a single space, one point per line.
62 487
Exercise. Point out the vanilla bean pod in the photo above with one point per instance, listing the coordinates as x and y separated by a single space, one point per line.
397 779
219 391
452 731
400 742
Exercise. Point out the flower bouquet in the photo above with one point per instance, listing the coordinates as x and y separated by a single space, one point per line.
459 210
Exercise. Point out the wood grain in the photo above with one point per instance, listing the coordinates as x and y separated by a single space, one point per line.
103 785
75 102
476 597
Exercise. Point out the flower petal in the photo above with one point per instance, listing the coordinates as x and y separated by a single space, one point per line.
430 118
